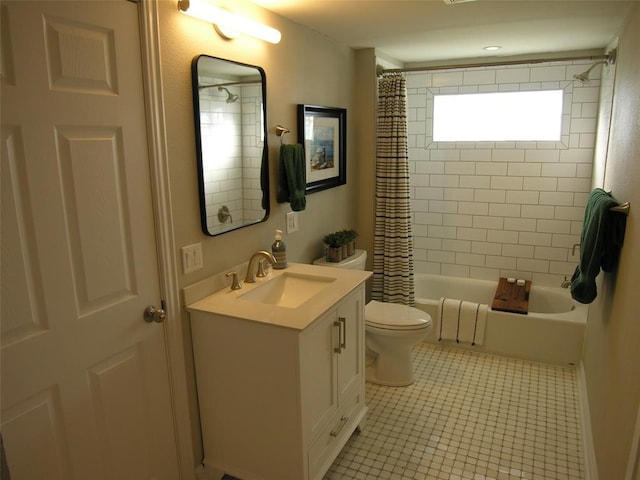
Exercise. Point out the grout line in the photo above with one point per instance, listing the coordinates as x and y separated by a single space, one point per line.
469 415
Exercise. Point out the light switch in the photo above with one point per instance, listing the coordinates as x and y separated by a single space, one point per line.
192 259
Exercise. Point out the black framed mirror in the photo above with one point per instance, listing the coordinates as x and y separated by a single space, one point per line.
229 105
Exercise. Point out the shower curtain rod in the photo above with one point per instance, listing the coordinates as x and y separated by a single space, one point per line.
380 70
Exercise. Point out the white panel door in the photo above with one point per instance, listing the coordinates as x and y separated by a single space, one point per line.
85 385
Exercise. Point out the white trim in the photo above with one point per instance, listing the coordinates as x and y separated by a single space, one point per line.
208 473
633 467
165 241
588 451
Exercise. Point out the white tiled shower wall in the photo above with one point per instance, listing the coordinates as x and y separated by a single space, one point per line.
232 144
493 209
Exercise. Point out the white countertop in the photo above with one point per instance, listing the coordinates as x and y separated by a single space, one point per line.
226 301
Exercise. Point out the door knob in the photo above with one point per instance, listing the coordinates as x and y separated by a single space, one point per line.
153 314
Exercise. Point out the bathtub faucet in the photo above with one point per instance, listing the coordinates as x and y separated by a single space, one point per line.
566 283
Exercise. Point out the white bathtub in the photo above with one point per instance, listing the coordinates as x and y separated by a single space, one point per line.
551 332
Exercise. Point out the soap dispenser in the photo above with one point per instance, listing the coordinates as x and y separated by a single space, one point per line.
279 251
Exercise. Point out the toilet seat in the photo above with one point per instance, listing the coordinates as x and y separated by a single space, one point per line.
394 316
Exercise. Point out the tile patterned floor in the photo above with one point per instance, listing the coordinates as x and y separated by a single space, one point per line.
469 416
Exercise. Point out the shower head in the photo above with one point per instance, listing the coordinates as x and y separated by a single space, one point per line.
584 76
610 59
231 97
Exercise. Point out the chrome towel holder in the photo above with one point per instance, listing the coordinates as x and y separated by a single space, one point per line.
622 208
281 132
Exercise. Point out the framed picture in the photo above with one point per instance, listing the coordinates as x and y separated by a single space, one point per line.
322 131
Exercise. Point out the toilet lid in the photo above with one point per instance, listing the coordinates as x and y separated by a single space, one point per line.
395 316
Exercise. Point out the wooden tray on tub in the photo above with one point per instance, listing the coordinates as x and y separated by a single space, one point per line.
512 298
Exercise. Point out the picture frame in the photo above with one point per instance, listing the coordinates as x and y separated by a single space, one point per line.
322 132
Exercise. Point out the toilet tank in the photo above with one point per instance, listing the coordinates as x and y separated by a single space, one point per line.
355 262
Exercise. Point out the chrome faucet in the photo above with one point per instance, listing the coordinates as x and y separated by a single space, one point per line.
566 283
258 256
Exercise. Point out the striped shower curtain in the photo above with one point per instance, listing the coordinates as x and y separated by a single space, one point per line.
393 243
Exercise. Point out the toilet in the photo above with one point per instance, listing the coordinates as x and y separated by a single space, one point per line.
391 330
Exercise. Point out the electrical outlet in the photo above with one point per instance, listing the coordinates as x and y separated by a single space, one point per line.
292 222
192 259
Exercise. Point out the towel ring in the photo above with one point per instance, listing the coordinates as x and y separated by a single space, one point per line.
281 132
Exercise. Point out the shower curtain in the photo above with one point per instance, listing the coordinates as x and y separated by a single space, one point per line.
393 244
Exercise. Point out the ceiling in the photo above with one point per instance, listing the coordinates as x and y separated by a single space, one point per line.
422 31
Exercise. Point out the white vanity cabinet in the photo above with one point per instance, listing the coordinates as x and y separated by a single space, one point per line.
332 381
279 403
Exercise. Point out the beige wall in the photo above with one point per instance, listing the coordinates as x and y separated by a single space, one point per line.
304 67
365 138
611 355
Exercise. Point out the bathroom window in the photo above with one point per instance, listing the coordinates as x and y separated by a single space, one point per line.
501 116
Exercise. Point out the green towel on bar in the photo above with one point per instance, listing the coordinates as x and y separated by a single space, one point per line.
292 177
600 243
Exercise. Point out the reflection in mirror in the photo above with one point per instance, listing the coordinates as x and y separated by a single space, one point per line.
229 101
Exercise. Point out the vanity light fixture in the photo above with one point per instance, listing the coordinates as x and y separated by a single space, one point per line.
228 24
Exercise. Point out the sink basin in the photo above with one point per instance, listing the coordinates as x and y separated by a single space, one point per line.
288 290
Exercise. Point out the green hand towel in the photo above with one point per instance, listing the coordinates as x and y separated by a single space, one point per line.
292 177
600 243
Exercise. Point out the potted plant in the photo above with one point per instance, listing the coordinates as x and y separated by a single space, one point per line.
342 240
334 247
350 239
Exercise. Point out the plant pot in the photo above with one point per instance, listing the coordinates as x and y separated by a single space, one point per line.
345 251
334 254
351 248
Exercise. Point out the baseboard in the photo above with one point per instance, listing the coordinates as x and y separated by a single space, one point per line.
204 473
633 467
588 450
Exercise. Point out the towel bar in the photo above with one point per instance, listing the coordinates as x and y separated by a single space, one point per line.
281 132
622 208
